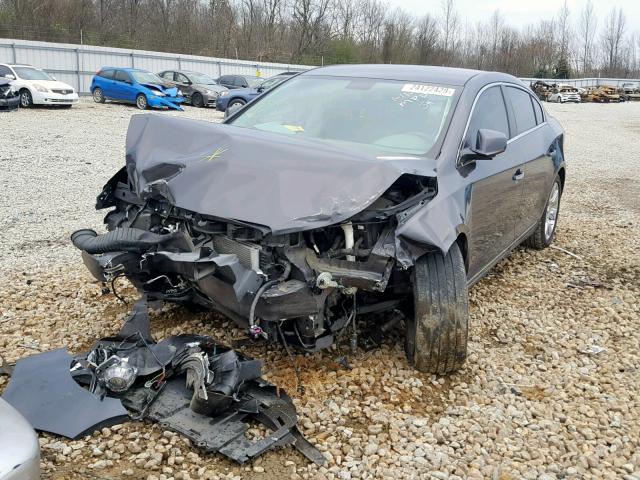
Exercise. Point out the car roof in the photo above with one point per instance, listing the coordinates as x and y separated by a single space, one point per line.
126 69
416 73
19 65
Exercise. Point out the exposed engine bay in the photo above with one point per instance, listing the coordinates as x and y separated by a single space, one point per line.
290 238
301 288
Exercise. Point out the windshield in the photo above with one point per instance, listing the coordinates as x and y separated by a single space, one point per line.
30 73
383 116
202 79
254 82
141 76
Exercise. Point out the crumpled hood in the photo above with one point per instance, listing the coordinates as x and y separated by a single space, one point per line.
170 91
284 183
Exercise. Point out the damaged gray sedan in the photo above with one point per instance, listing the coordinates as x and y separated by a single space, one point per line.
346 193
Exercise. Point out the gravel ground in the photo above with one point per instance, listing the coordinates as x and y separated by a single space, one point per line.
534 400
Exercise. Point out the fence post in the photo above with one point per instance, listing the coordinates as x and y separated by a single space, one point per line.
219 70
132 62
78 69
13 49
179 64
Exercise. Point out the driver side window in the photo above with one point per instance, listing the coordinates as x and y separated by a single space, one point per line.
180 78
489 113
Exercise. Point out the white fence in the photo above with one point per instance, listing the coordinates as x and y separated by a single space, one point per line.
77 64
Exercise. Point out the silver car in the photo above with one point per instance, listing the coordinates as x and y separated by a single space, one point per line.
19 447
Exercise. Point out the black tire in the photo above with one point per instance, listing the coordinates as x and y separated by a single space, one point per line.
437 335
236 101
26 100
141 102
98 95
197 100
541 238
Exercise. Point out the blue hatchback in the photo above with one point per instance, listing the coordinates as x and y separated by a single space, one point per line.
141 87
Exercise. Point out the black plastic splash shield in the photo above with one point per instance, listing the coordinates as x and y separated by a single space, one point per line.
44 392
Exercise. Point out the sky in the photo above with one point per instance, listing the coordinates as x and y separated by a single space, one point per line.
522 12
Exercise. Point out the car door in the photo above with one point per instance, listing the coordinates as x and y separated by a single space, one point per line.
185 85
537 153
495 186
122 86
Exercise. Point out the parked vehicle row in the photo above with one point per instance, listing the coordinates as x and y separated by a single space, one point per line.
171 88
168 89
601 94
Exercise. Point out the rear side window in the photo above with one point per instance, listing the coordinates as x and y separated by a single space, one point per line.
522 109
489 113
224 79
239 81
121 76
538 110
106 74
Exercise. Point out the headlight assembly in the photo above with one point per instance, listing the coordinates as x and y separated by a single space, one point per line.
40 88
225 93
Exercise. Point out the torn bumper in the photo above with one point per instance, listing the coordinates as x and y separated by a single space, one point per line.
174 103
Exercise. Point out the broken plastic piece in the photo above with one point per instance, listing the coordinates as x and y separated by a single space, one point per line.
44 392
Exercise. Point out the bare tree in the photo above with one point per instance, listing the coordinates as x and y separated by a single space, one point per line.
612 39
449 25
587 29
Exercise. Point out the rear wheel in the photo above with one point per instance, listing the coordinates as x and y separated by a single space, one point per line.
197 100
98 95
437 335
26 101
141 102
546 228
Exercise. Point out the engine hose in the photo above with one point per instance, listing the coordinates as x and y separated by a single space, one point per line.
119 240
263 288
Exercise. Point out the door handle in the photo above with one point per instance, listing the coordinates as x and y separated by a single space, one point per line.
519 175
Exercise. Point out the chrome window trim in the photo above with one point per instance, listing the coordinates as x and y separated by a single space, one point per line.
473 108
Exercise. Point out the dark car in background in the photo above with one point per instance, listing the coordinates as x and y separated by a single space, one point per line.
239 81
132 85
199 89
376 204
242 96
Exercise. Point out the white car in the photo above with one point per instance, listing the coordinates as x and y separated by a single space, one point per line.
19 447
37 87
564 95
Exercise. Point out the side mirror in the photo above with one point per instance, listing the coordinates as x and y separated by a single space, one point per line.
53 77
10 76
489 143
260 89
232 110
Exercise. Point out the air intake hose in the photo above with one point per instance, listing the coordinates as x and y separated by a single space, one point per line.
119 240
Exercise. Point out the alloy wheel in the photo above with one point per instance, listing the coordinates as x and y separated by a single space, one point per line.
552 211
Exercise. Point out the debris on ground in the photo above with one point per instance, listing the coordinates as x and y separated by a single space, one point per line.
188 383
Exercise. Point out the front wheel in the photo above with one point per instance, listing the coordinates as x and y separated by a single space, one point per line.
26 101
236 101
437 335
546 228
141 102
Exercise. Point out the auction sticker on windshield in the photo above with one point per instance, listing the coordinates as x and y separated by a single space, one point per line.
428 89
